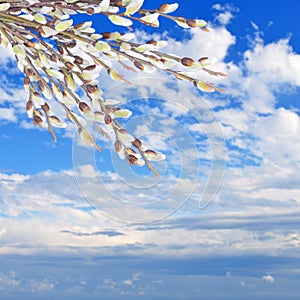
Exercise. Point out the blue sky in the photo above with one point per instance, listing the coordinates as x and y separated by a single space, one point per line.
79 225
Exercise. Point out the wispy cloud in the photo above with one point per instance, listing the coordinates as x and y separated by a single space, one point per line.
108 233
11 282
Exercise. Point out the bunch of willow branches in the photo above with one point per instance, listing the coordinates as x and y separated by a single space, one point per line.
59 58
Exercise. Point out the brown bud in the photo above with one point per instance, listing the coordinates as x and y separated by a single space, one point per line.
154 58
202 59
29 105
53 57
38 113
90 11
79 25
45 107
163 7
131 151
17 9
69 65
37 94
152 42
30 44
118 146
139 65
106 35
56 85
71 44
90 68
41 85
26 80
107 119
150 151
131 159
191 23
40 30
28 72
37 120
84 107
91 88
137 143
55 118
186 61
60 50
78 59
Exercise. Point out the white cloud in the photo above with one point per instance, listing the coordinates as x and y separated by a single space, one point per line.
254 25
36 215
279 128
6 55
274 63
11 282
268 278
13 177
13 96
40 286
137 276
269 69
133 280
128 282
8 114
213 44
225 13
225 17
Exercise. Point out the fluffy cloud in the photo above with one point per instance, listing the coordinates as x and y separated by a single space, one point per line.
6 55
13 96
274 63
38 220
256 86
225 13
8 114
268 278
269 69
